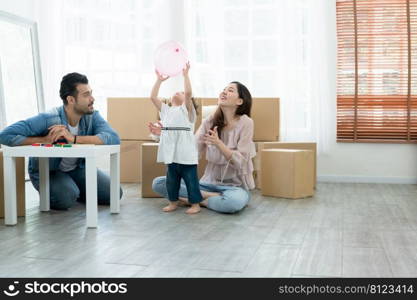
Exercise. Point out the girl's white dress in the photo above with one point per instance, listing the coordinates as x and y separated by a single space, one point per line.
177 146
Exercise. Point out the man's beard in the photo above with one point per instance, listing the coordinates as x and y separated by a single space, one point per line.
83 112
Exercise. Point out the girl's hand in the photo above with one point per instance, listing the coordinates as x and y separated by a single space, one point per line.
212 138
155 128
186 69
160 77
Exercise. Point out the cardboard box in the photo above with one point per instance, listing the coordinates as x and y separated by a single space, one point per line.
130 161
282 145
150 169
265 115
20 186
287 173
130 117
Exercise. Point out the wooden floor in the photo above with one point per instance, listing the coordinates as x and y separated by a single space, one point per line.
346 230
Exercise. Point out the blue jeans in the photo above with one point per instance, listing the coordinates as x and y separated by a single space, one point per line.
65 188
190 177
231 199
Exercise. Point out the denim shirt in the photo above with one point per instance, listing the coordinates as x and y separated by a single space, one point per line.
93 124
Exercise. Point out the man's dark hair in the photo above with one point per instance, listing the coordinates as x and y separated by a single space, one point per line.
69 85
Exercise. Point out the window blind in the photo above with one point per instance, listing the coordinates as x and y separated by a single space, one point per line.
377 71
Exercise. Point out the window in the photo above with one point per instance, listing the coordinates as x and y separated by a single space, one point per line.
263 44
377 56
21 93
112 42
237 40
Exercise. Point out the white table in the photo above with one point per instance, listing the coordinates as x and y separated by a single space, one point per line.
89 152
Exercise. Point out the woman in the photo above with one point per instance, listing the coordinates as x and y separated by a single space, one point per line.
226 140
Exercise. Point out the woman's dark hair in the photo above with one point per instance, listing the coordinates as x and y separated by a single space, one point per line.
243 109
69 85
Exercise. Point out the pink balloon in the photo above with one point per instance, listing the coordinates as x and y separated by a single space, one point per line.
170 58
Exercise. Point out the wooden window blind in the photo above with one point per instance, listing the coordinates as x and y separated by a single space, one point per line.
377 71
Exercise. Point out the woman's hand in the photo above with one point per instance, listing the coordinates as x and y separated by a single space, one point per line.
212 137
160 77
155 128
186 69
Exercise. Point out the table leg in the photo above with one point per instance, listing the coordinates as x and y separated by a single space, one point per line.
44 204
10 209
91 191
115 183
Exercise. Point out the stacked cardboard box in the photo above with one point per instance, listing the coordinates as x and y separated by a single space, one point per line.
150 169
130 118
130 152
20 186
289 173
257 161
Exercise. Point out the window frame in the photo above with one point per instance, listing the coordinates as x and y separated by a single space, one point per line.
32 27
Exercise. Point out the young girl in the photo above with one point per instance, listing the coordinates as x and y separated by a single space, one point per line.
177 145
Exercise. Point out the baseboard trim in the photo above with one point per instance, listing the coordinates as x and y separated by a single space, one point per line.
367 179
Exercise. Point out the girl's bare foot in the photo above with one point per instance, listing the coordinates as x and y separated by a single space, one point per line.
170 207
184 201
195 208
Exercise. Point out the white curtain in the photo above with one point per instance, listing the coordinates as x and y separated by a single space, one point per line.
112 42
307 91
279 48
322 73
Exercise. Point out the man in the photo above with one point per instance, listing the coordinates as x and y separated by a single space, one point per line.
76 122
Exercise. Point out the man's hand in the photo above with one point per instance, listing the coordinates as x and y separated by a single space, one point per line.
57 132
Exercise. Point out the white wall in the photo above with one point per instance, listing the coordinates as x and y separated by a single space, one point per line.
386 163
360 162
22 8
